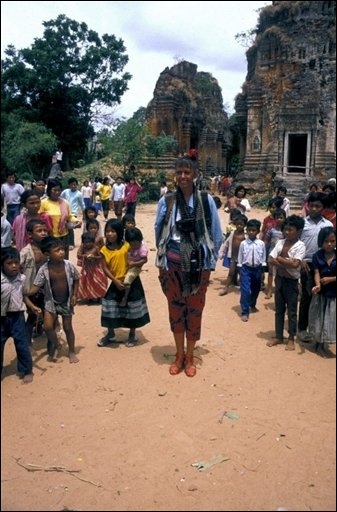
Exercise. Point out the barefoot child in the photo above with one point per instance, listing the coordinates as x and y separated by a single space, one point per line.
137 257
13 306
273 235
231 250
287 256
322 311
59 278
31 259
93 227
93 282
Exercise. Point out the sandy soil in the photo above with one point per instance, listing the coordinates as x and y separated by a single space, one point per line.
254 430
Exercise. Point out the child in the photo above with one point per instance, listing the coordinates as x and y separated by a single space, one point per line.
93 282
104 191
230 249
282 192
163 189
39 187
6 227
31 203
329 211
60 280
135 314
129 221
268 223
231 224
13 305
322 311
272 236
251 260
31 259
137 257
313 223
91 213
287 256
93 227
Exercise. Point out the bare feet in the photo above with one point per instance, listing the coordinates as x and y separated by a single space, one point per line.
28 378
73 358
53 353
244 318
290 345
274 342
223 291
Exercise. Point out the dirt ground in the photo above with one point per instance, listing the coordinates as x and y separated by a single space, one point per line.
255 429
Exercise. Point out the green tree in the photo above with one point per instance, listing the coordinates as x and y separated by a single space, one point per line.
157 146
130 143
26 148
127 144
63 78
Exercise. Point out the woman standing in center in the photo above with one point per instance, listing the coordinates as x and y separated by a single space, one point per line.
187 250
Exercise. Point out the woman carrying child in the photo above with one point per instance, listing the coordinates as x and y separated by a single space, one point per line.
115 265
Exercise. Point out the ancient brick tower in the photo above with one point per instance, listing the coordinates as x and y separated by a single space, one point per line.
188 105
287 110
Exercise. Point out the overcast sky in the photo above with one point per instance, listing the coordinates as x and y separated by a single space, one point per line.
156 35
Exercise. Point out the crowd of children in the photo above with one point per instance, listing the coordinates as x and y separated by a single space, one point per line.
292 252
39 285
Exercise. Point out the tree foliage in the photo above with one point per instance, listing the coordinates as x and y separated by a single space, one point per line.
63 79
27 147
130 143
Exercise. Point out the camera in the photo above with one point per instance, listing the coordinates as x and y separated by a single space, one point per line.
195 271
185 225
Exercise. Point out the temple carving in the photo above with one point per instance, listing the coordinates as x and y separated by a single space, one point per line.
287 109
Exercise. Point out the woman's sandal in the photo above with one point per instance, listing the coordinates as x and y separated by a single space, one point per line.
190 368
131 342
178 364
105 341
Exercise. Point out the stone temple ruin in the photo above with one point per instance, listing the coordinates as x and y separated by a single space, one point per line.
286 113
287 110
188 105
